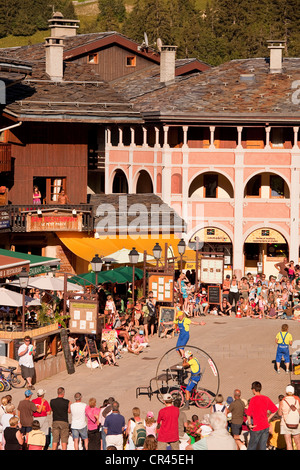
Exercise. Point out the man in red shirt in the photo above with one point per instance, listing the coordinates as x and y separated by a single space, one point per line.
167 424
258 419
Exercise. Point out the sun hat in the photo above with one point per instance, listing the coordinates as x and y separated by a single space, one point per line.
167 397
187 354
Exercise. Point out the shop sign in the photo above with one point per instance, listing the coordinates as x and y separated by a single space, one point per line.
211 235
265 235
4 220
54 222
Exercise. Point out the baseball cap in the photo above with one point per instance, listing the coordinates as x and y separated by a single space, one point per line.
167 397
40 392
150 414
290 389
28 393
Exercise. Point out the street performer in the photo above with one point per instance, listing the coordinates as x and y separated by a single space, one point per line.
189 361
183 323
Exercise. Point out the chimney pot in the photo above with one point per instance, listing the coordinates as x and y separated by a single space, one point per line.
62 27
167 64
276 48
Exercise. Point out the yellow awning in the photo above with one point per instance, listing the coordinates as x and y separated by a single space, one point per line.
86 247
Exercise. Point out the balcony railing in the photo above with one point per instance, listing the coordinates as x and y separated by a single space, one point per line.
5 157
18 215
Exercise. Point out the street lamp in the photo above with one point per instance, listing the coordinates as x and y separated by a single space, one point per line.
133 259
23 279
157 251
181 250
97 264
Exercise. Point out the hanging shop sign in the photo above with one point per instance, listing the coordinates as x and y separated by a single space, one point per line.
265 235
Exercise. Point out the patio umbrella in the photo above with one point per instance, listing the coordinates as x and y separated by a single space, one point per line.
87 279
118 275
122 256
9 298
48 283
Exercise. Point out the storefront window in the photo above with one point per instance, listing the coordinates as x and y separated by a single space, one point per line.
278 250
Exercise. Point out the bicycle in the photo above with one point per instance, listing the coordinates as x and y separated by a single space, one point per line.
13 379
200 398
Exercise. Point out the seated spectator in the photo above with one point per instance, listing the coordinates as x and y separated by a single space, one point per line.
140 338
106 356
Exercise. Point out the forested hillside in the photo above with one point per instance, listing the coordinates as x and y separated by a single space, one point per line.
214 32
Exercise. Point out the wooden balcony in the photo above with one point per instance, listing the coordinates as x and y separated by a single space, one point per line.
5 157
49 217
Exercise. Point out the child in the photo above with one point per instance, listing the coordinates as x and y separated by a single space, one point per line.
36 439
150 424
283 340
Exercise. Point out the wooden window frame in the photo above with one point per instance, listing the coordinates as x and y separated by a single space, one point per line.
94 60
131 58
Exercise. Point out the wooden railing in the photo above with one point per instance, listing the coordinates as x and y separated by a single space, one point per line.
18 214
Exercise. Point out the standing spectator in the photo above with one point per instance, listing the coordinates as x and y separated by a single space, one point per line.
13 437
114 427
226 287
60 423
78 423
182 425
150 303
258 409
105 410
219 438
130 427
290 403
43 416
94 436
234 294
10 412
168 425
26 408
283 340
26 354
281 268
237 409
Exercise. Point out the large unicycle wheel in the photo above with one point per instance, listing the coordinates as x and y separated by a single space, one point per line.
172 378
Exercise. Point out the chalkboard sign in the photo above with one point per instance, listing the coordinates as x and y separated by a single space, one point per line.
214 295
91 350
166 314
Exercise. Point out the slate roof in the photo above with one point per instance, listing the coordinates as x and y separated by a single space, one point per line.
154 213
239 90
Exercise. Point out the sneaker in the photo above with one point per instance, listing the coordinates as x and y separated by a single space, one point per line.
278 372
287 371
186 406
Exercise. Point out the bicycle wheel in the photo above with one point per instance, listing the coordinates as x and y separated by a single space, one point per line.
178 395
202 399
17 381
170 374
2 386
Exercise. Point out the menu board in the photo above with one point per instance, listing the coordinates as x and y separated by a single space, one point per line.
162 286
166 314
83 317
211 270
214 295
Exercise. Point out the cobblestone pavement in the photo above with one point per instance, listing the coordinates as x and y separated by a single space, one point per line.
243 350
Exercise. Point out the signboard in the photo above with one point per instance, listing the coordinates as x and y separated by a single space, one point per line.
162 286
166 314
265 235
4 220
211 270
214 295
83 317
211 235
53 221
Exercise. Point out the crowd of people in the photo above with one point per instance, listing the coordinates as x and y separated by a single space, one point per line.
256 423
254 296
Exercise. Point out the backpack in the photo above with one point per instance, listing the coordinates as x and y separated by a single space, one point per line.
139 435
292 419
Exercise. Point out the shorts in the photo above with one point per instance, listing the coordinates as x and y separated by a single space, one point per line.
60 430
151 320
236 429
77 433
27 372
285 430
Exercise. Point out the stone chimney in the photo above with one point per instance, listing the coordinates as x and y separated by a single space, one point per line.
276 48
61 27
167 64
54 58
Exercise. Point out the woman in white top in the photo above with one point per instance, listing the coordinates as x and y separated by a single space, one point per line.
284 409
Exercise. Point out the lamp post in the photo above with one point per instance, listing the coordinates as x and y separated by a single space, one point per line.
97 264
133 258
157 251
181 250
23 279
